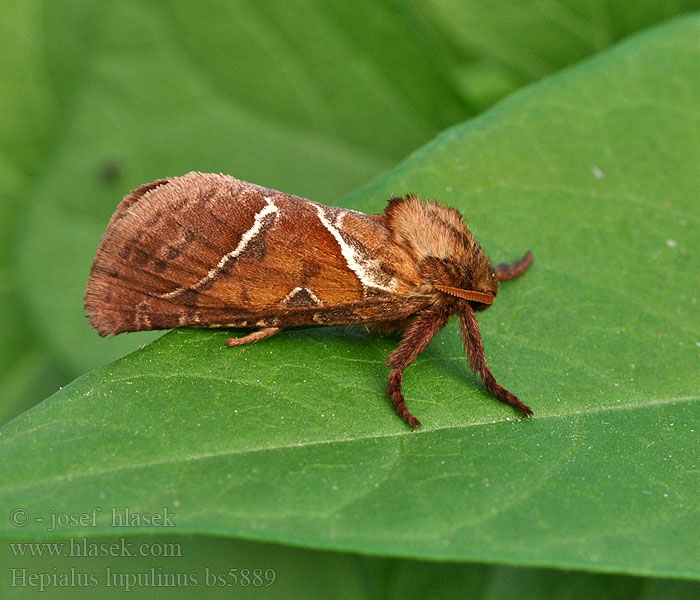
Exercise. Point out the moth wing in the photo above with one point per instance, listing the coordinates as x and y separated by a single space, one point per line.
207 250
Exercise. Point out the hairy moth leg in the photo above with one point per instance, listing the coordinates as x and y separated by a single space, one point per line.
506 272
256 336
421 330
474 347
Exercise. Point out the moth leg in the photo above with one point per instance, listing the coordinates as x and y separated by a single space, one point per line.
256 336
417 337
474 346
506 271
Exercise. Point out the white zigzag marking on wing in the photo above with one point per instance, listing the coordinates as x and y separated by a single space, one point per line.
296 290
361 268
242 244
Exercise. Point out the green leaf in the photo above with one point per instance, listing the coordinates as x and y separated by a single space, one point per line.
595 170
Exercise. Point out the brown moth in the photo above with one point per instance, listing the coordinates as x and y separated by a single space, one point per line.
208 250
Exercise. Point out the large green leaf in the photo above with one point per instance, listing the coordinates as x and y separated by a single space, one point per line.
597 171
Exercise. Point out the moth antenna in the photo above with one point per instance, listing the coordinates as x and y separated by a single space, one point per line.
474 347
483 297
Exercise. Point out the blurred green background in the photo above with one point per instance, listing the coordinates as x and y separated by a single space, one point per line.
313 98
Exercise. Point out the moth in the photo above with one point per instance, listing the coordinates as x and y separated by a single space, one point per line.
209 250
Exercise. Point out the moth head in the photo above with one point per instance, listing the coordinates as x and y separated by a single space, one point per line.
470 278
450 260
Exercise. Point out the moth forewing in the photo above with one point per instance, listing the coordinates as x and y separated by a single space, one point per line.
208 250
